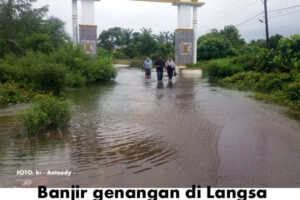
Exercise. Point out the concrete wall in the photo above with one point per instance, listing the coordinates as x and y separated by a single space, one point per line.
184 46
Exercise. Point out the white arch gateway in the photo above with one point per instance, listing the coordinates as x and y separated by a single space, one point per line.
185 34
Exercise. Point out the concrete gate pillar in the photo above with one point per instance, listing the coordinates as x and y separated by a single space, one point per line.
186 32
184 35
87 29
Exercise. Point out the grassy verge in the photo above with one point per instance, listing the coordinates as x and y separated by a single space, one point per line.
237 73
122 61
279 88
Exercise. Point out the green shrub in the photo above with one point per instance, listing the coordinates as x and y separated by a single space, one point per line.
101 52
50 78
83 68
265 61
75 79
13 93
243 80
8 72
68 66
292 91
247 61
221 68
283 59
273 82
39 42
46 113
280 88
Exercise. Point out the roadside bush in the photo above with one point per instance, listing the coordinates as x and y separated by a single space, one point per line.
83 68
101 52
46 113
265 61
13 93
283 59
75 79
50 78
8 72
243 80
247 61
39 42
68 66
101 70
292 91
276 87
289 55
222 68
272 82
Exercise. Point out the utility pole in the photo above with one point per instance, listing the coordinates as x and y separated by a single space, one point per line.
267 23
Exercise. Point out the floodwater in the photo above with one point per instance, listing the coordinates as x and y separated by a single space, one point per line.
138 133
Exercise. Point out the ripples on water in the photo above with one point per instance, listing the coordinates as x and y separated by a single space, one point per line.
117 143
102 139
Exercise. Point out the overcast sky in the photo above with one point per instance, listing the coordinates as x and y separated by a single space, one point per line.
163 16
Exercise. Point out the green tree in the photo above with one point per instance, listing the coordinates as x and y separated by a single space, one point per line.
111 38
19 20
146 44
55 29
39 42
274 40
232 34
136 37
127 35
214 47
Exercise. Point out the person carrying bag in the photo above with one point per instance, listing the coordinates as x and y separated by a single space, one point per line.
171 68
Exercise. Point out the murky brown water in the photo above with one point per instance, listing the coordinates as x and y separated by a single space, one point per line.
138 133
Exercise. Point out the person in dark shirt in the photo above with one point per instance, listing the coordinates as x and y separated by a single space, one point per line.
159 64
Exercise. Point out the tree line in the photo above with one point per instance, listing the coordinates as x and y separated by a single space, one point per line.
125 43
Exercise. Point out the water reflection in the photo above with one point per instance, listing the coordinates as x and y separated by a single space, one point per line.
160 85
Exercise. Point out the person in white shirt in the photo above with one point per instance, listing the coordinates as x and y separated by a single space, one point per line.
147 67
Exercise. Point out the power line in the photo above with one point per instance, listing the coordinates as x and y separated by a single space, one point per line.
281 9
240 10
271 17
235 5
291 7
250 19
295 11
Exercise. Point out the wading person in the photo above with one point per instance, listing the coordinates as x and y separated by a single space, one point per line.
159 65
170 65
147 67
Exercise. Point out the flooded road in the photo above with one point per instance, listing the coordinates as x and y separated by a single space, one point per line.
138 133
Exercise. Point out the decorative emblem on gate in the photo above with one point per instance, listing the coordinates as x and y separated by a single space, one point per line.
185 48
89 46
